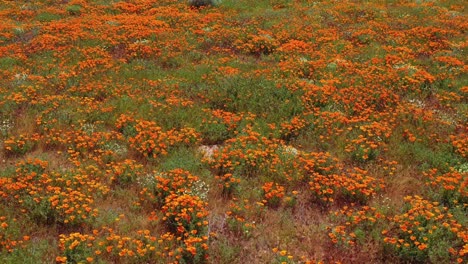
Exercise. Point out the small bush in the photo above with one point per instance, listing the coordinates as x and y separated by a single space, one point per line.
74 10
200 3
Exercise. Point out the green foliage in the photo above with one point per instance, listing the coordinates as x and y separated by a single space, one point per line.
224 251
182 158
74 10
363 155
426 156
259 96
39 251
48 17
8 63
214 133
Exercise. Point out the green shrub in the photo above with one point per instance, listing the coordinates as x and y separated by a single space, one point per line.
8 63
74 10
47 17
200 3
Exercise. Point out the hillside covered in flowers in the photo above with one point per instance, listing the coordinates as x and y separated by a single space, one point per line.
268 131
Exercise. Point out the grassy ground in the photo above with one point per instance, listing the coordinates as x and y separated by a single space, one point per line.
264 131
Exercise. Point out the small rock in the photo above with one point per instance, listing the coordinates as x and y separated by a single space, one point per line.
208 151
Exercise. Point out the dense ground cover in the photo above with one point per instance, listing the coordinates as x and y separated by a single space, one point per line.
266 131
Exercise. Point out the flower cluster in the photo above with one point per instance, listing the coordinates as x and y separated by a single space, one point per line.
160 186
246 155
328 181
125 172
259 43
183 213
365 146
228 182
21 144
151 141
356 223
273 193
450 188
9 237
50 197
245 120
107 245
417 233
460 144
242 215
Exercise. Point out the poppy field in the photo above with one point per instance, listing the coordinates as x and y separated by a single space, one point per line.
269 131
